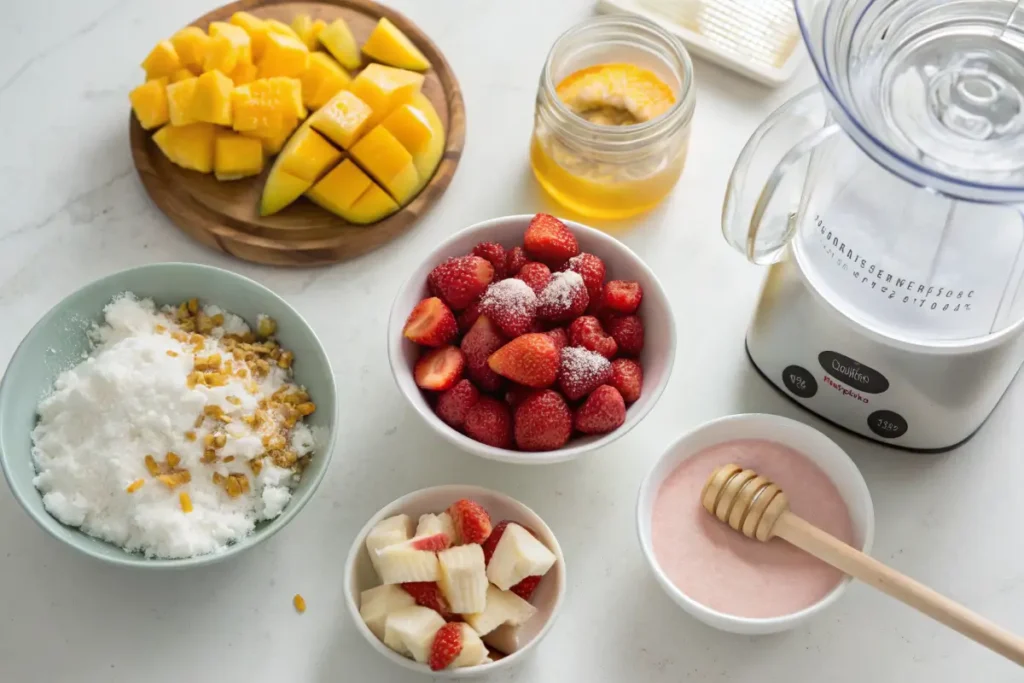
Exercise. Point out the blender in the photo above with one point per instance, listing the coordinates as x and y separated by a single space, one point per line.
888 203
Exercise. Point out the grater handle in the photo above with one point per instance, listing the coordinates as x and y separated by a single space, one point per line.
765 188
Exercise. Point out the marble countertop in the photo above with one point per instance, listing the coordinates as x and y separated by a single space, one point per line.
74 210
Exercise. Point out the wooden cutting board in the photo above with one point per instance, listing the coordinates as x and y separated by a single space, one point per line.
225 215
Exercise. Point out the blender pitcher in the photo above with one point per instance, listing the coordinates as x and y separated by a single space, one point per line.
888 202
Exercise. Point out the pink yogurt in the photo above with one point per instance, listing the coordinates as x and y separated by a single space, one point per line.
724 570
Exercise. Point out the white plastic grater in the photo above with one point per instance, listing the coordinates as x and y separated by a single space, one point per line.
759 39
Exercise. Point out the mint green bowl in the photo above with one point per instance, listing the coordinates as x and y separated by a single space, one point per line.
58 341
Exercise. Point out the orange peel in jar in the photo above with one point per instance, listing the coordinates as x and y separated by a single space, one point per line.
615 94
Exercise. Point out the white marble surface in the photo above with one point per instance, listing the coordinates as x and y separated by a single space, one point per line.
73 210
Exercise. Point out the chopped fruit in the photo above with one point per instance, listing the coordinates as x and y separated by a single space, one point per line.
428 594
373 205
257 30
281 28
179 101
240 42
427 159
489 421
410 631
323 79
622 297
582 371
549 241
243 74
492 251
283 56
504 639
526 587
389 45
514 261
411 127
463 578
542 422
471 521
480 342
559 336
565 298
338 40
236 156
267 105
211 99
439 369
162 61
308 30
377 603
491 543
603 411
474 652
628 333
384 158
591 269
403 562
430 525
384 88
431 323
149 102
517 556
468 317
180 75
281 190
340 188
343 119
307 155
388 532
628 378
586 331
459 281
511 305
535 274
531 360
190 45
503 607
190 146
447 645
433 542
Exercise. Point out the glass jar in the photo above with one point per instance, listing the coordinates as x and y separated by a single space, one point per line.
607 171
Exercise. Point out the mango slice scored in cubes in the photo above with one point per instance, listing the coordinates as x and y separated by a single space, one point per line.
339 41
323 79
281 190
236 156
410 126
343 119
149 102
179 101
372 205
190 44
340 188
388 162
308 155
283 56
256 28
429 157
211 99
190 146
389 45
384 88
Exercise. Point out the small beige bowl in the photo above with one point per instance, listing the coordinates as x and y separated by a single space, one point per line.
548 598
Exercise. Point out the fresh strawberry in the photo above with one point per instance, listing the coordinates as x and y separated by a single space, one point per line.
622 296
453 405
480 342
591 269
526 587
459 281
495 253
515 259
435 543
531 359
582 371
472 523
491 543
439 369
511 305
564 299
559 336
431 323
535 274
602 412
515 393
549 241
628 333
428 594
628 378
489 421
542 422
446 646
468 317
586 331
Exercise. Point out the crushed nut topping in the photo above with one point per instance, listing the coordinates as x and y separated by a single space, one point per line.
186 502
135 485
175 478
300 603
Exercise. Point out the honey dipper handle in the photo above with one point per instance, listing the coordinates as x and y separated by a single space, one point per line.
831 550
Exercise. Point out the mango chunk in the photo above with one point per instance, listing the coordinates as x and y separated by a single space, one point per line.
190 44
343 119
181 75
256 28
340 188
243 73
427 159
322 80
179 101
162 61
389 45
385 88
266 104
236 156
189 146
373 205
410 126
281 190
274 139
237 37
308 30
283 56
390 164
281 28
339 41
149 102
211 99
221 55
308 155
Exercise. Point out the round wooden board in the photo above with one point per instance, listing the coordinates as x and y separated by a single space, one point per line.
225 216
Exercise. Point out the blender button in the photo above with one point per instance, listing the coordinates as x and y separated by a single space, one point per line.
887 424
799 381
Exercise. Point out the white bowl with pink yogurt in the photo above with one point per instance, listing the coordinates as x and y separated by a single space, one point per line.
718 575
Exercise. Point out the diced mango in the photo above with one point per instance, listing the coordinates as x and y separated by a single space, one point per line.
188 146
428 158
256 28
190 44
410 126
384 88
308 30
274 139
390 164
389 45
221 55
179 101
281 190
236 156
238 38
322 80
339 41
343 119
283 56
308 155
340 188
281 28
162 61
181 75
244 73
373 205
149 102
266 104
211 100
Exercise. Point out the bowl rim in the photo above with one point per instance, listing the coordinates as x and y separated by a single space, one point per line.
126 559
396 320
456 491
732 622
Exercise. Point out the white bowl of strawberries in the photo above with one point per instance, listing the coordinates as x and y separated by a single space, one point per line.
455 581
531 340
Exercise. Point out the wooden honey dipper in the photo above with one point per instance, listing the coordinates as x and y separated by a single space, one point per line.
757 508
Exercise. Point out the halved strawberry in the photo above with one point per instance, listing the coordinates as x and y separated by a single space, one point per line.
535 274
548 240
565 298
542 422
622 296
459 281
559 336
591 269
489 421
526 587
628 333
453 405
628 378
439 369
435 543
471 521
586 331
582 371
495 253
480 342
602 412
511 305
531 359
431 323
446 646
515 259
428 594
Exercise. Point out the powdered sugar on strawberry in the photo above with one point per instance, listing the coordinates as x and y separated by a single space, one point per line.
560 291
511 295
